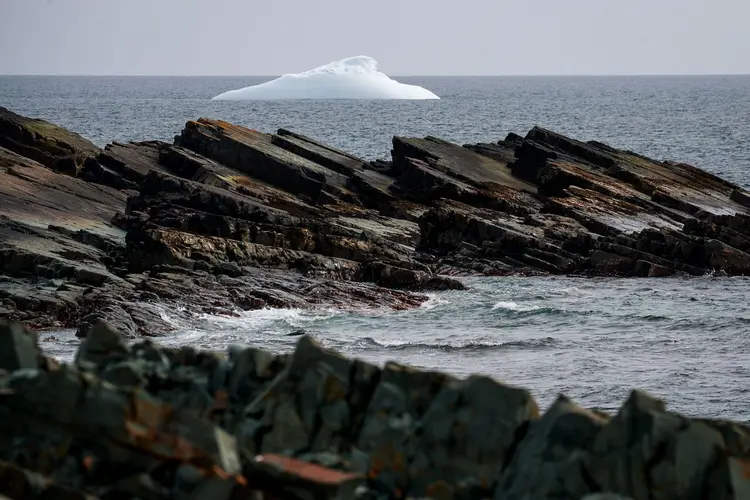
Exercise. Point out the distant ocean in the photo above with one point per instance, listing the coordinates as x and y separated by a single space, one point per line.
687 340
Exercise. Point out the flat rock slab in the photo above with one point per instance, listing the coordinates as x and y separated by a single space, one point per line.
456 161
133 160
677 185
253 153
37 196
319 153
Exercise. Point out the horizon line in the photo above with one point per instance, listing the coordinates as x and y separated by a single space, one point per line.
428 75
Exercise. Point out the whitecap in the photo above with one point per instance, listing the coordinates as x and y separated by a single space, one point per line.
433 301
513 306
352 78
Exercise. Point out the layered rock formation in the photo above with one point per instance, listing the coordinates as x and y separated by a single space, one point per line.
228 219
141 422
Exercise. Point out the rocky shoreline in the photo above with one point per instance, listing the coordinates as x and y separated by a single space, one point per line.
228 219
136 421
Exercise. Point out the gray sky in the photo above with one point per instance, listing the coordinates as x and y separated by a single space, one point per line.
407 37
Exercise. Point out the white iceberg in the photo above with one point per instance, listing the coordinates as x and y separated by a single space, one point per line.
351 78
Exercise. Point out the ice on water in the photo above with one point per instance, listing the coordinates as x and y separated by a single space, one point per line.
352 78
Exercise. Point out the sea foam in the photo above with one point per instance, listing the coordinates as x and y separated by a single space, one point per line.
352 78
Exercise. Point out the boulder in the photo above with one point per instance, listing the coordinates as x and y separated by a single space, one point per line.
549 458
54 147
102 344
609 264
19 347
646 452
467 436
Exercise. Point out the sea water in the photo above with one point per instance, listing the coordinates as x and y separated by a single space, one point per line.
684 339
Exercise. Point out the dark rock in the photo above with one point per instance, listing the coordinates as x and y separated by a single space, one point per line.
231 219
319 153
285 477
254 154
409 279
156 427
18 347
644 450
111 314
102 344
610 264
548 460
458 162
52 146
468 433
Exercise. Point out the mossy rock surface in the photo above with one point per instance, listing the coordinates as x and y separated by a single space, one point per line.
49 144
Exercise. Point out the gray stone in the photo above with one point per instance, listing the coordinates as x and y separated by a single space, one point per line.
309 352
548 462
739 479
645 452
288 430
385 441
251 369
114 315
19 347
125 374
51 396
605 496
141 486
213 488
103 344
469 432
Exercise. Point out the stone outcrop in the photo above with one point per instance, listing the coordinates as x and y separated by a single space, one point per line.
229 219
139 421
52 146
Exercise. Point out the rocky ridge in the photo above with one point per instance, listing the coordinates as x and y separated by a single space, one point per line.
142 422
227 219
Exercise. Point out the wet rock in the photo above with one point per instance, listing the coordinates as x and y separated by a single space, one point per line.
392 276
111 314
102 344
650 270
610 264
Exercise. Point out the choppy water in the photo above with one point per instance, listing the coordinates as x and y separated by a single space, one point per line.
687 340
594 339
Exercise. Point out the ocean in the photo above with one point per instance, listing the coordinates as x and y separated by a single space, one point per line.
684 339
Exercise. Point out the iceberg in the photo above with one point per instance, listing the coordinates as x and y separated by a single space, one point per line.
351 78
